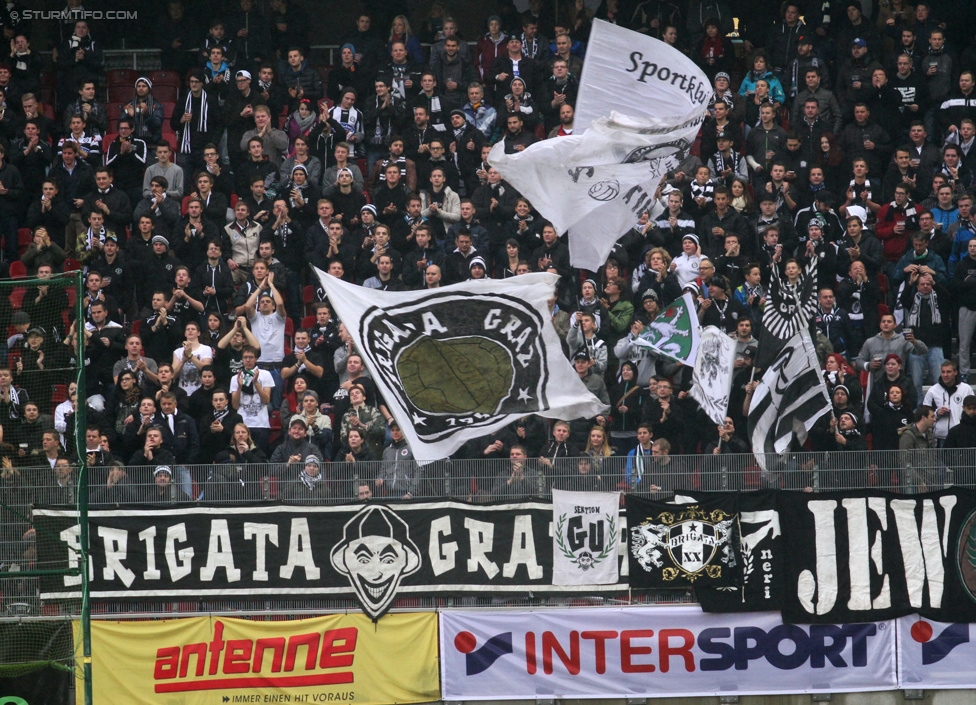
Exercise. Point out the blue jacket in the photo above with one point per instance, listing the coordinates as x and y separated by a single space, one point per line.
965 232
775 87
929 259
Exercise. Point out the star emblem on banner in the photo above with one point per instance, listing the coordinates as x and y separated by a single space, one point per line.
524 395
419 420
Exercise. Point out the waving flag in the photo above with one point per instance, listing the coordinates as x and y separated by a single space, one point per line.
675 332
712 379
459 362
596 183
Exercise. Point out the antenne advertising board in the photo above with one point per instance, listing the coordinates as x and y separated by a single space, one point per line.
207 660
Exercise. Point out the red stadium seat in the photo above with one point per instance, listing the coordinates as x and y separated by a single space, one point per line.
71 265
120 94
24 237
18 270
164 78
166 94
59 394
17 297
121 77
308 322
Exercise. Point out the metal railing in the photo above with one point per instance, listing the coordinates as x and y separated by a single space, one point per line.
475 481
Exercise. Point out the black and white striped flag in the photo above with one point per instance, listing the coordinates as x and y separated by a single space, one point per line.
788 400
792 394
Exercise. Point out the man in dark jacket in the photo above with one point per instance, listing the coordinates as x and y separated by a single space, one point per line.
180 434
301 80
963 288
11 205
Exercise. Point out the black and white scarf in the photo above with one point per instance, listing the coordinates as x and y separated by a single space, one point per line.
733 162
309 481
915 314
203 117
91 235
699 191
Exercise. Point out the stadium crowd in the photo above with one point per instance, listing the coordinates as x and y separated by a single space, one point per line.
194 204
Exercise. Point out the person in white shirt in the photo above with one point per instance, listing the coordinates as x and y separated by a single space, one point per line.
946 396
265 310
191 358
250 392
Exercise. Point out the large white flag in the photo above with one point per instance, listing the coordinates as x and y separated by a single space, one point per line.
711 382
585 537
636 75
459 362
648 103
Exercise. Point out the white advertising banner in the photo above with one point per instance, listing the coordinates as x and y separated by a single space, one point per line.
656 652
935 654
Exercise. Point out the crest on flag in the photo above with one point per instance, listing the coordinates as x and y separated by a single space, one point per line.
675 331
586 535
460 359
683 544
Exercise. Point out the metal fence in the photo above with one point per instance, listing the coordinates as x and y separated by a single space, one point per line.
476 481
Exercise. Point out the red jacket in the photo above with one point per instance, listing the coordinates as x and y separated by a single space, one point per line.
896 243
487 52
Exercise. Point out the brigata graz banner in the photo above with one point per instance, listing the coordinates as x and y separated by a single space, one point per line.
828 558
655 652
373 552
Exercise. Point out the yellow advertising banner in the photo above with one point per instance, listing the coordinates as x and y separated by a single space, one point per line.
216 660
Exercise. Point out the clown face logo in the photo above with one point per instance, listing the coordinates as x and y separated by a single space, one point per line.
376 553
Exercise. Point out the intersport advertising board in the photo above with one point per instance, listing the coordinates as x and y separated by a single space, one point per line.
656 652
935 654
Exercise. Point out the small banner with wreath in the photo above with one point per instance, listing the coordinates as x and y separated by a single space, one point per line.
586 535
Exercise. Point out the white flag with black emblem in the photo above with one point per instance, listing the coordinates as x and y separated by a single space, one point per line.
456 363
596 183
711 382
585 537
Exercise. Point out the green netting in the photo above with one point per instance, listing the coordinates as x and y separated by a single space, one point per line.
42 462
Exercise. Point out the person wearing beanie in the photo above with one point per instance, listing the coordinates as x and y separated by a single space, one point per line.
309 486
721 309
685 266
348 73
146 113
491 46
